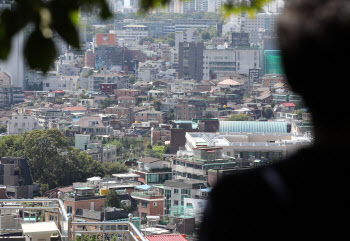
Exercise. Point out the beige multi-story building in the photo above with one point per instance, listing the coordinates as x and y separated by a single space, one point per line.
149 116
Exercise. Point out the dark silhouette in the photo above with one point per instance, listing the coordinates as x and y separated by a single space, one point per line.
303 197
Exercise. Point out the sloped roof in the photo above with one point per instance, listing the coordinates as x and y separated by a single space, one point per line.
85 121
148 159
166 237
288 104
75 108
229 82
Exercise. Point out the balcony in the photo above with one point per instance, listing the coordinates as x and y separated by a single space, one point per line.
15 214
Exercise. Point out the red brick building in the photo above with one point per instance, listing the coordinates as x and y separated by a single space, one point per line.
127 92
149 203
106 39
108 88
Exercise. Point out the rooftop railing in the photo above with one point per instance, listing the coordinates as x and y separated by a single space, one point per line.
15 212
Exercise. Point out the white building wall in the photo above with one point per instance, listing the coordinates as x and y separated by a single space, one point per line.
14 66
18 124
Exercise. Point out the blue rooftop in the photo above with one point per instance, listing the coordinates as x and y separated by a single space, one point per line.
253 126
143 187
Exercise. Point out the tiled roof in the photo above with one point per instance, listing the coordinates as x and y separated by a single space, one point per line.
75 108
288 104
148 159
84 122
166 237
229 82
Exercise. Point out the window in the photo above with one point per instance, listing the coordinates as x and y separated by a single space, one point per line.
92 206
176 202
155 204
176 190
69 209
144 204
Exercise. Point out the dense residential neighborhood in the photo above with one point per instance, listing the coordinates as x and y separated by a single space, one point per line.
142 122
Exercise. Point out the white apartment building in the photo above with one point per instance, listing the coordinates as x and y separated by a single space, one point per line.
131 34
60 83
267 21
17 124
227 61
191 35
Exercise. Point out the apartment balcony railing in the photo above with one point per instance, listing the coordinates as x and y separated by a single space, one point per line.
15 212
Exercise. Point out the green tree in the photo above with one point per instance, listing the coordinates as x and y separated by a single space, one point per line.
112 199
157 104
209 115
44 188
11 146
114 168
212 31
132 79
268 113
238 117
43 149
51 161
143 39
299 113
206 36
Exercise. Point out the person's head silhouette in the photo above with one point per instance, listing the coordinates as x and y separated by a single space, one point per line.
314 42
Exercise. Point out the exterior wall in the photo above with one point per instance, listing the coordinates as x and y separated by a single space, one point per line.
157 165
178 138
218 61
126 92
18 124
144 116
84 204
154 206
247 59
190 60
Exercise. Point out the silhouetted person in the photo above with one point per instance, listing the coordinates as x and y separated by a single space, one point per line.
304 197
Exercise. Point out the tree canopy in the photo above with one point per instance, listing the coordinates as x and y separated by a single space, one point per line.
50 158
238 117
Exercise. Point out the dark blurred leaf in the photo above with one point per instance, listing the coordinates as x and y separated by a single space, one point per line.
40 52
61 11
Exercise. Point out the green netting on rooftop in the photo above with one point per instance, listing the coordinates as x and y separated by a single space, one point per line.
182 211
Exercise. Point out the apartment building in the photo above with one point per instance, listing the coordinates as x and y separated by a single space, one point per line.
10 95
149 200
15 175
190 60
17 124
218 63
245 148
93 125
153 170
149 116
176 191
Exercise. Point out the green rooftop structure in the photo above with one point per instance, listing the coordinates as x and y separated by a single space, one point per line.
182 211
253 126
272 62
135 220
